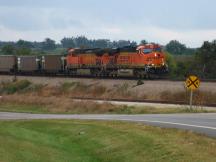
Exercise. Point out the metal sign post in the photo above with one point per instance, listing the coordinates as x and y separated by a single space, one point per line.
191 99
192 83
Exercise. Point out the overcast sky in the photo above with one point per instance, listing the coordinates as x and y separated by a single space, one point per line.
189 21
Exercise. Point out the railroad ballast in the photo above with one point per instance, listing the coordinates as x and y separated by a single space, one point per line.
141 61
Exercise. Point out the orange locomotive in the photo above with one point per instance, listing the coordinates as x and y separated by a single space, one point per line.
141 61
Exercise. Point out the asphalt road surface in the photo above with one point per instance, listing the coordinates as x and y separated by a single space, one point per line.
201 123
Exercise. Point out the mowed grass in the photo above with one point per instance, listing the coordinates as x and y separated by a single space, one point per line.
93 108
22 108
99 141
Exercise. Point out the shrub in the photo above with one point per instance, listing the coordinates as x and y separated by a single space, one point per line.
13 87
67 85
98 90
122 90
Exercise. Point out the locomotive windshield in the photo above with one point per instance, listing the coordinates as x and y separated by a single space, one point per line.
147 50
157 49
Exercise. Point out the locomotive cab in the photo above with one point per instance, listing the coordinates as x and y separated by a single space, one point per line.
154 58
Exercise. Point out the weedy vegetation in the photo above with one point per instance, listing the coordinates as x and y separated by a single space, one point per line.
25 96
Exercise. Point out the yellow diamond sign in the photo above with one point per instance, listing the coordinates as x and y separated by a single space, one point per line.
192 82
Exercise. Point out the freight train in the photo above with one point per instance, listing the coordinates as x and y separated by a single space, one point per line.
142 62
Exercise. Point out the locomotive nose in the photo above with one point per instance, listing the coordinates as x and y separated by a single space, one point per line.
157 55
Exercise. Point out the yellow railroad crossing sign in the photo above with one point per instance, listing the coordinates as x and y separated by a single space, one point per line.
192 82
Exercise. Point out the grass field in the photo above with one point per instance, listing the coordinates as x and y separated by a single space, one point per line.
91 141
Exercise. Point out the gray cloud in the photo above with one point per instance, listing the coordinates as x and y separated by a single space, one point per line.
178 15
28 19
117 19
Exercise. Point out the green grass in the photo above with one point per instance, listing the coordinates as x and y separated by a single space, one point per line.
23 108
91 141
13 87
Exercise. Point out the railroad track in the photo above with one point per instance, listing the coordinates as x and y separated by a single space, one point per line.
141 101
107 78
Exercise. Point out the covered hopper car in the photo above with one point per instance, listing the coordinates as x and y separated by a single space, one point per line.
8 63
28 64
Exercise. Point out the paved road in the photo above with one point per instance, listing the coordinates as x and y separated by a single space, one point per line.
201 123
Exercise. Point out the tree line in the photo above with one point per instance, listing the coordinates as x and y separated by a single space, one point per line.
202 63
72 42
48 44
181 59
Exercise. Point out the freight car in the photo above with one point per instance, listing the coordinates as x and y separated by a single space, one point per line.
52 64
8 63
142 61
28 64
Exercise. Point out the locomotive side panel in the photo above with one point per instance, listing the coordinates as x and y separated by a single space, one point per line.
72 61
106 59
131 60
124 59
87 60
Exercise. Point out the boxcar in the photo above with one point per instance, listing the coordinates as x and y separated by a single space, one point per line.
7 63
